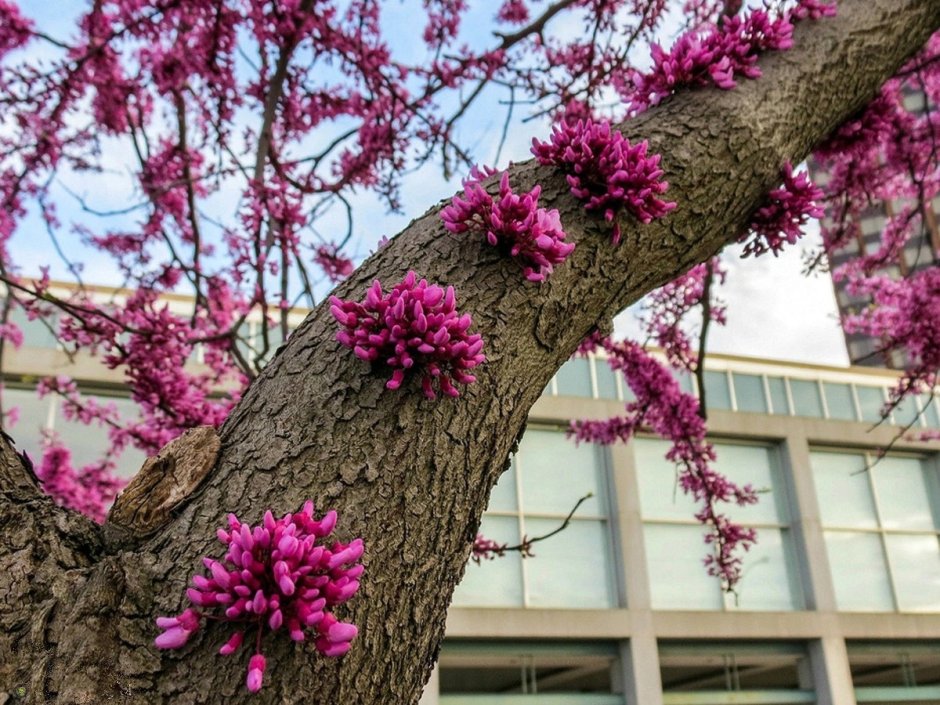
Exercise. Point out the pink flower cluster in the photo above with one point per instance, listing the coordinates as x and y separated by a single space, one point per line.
333 263
781 219
905 316
532 235
665 309
415 325
485 549
90 489
606 171
274 575
664 408
14 28
719 55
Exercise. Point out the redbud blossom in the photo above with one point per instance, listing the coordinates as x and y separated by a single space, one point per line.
719 54
606 171
334 265
514 222
255 673
662 407
414 326
278 574
781 219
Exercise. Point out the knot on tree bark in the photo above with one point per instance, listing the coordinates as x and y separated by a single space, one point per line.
163 484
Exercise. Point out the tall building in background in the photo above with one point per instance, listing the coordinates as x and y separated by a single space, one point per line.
920 253
840 599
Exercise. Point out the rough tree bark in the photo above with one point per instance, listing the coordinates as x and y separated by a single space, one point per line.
410 476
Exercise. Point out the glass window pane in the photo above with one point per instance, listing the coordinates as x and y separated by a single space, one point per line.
678 579
905 413
749 393
717 394
87 443
606 380
131 458
495 583
870 401
806 400
33 417
555 473
839 401
503 496
685 381
660 495
778 395
572 568
915 565
768 574
931 416
859 572
843 475
754 465
36 333
903 499
574 378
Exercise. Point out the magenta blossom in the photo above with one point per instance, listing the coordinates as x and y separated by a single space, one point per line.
532 235
606 171
276 575
415 325
781 219
334 265
663 408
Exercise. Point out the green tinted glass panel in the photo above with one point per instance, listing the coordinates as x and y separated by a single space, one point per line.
778 395
33 417
555 472
572 568
859 571
574 378
806 399
915 565
839 401
677 578
749 393
844 475
36 333
503 496
717 394
755 466
903 494
870 402
660 495
931 416
905 413
606 380
768 574
685 381
498 582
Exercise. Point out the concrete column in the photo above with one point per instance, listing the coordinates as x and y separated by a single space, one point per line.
639 655
639 659
831 675
628 525
810 543
829 661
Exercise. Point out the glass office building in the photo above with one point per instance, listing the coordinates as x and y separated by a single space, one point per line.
840 599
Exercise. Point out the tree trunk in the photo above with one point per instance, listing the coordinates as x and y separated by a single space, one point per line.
411 476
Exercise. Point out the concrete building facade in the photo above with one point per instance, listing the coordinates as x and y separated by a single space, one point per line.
840 600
